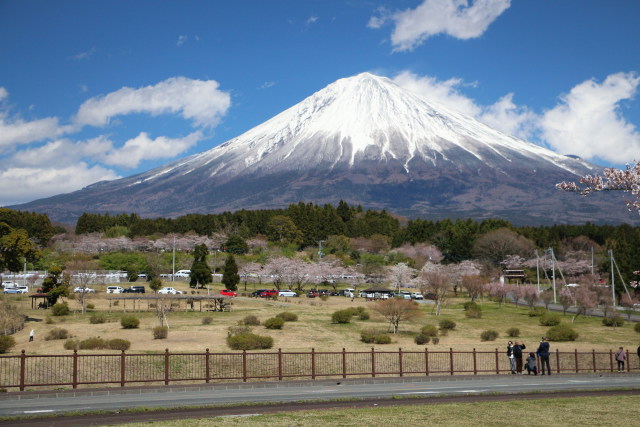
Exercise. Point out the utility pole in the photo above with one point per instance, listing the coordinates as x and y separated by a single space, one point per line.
173 266
613 280
320 242
553 273
537 268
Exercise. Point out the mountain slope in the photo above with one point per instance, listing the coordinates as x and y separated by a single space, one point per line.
365 140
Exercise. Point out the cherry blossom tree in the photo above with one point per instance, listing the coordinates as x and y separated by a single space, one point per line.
474 285
397 310
498 291
530 295
626 180
628 302
518 293
399 275
566 298
586 299
437 283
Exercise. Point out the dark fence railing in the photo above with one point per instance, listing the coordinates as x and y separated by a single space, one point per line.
28 371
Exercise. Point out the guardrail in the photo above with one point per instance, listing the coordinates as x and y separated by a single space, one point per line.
27 371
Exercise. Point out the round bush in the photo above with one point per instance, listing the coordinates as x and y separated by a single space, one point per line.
636 327
447 325
97 318
57 334
90 306
382 339
274 323
363 315
118 344
72 345
422 339
561 332
435 340
249 342
287 316
549 319
489 335
429 331
373 336
473 314
537 312
341 316
6 343
93 343
614 321
250 320
129 322
60 309
513 332
207 320
471 305
160 332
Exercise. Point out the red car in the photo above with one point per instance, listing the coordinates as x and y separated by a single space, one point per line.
228 293
269 293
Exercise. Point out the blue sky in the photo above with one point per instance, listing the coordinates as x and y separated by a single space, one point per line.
93 90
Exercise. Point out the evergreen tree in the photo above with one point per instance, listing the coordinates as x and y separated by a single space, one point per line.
235 244
230 276
200 270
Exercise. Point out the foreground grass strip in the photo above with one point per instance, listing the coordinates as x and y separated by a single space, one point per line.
587 411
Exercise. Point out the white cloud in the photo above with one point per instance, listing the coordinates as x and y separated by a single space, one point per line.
312 20
63 152
84 55
15 131
197 100
23 184
181 40
4 94
142 148
462 19
588 121
267 85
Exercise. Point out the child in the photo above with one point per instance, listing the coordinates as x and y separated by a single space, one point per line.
532 364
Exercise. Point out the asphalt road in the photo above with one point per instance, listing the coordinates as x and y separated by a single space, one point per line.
58 403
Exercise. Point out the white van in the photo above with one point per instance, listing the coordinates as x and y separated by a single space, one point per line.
183 273
349 292
114 290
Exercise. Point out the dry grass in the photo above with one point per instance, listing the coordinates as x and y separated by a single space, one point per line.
313 329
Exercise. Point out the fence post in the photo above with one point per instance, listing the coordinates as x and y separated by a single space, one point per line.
451 359
313 363
123 365
23 363
279 364
558 360
497 363
207 371
593 355
611 359
576 358
400 359
244 366
344 363
74 381
475 366
373 362
166 366
628 362
426 361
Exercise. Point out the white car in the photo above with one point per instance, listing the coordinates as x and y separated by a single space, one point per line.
287 293
416 295
80 289
183 273
16 290
7 285
167 291
114 290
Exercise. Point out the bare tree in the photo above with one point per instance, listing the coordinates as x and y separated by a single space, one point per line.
547 297
530 295
474 285
437 283
496 245
566 298
397 310
586 299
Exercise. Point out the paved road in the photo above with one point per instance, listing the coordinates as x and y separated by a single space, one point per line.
47 403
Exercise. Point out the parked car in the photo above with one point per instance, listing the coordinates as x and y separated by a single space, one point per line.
81 289
229 293
312 294
257 293
17 290
416 296
169 291
349 292
183 273
9 284
404 295
114 290
287 293
269 293
135 290
324 292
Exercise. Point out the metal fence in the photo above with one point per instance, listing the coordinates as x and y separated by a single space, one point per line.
28 371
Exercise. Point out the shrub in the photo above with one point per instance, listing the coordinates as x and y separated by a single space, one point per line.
473 314
249 341
363 315
6 343
90 306
250 320
372 336
287 316
383 339
549 319
447 325
238 330
207 320
57 334
129 322
537 312
97 318
60 309
561 332
489 335
93 343
341 316
429 331
422 339
118 344
72 345
49 321
614 321
471 305
324 297
274 323
636 327
513 332
160 332
435 340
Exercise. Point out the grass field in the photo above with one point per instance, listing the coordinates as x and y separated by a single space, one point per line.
313 329
583 411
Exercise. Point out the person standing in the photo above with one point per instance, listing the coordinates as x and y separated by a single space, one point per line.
31 335
543 353
512 360
620 358
517 354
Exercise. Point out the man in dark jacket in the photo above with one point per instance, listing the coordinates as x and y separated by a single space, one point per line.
543 353
517 354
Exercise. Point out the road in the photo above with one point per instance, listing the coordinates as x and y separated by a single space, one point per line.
114 399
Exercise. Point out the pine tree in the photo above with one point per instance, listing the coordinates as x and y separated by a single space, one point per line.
230 276
200 270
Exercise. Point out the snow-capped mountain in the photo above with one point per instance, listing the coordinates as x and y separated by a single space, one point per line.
365 140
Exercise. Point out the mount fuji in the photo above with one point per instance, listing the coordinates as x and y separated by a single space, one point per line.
365 140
